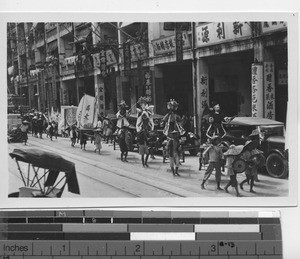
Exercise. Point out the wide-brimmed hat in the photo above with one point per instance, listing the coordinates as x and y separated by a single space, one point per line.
123 103
234 150
142 99
254 133
25 122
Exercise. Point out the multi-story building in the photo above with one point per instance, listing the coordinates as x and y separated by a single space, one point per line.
240 65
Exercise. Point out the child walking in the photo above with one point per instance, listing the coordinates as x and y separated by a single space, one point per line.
97 141
231 154
215 155
173 149
143 147
24 129
249 154
73 135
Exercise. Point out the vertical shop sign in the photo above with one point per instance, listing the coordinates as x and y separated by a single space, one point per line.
282 77
110 58
101 99
103 67
179 42
269 96
204 93
127 58
257 90
148 85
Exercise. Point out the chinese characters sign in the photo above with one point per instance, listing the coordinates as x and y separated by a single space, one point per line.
282 77
100 99
110 58
269 83
179 43
102 58
138 52
127 58
257 90
168 44
213 33
204 94
271 26
148 85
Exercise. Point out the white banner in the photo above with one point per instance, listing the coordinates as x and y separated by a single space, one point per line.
269 86
86 114
272 26
110 58
257 90
216 32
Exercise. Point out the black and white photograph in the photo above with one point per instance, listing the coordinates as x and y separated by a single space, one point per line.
149 109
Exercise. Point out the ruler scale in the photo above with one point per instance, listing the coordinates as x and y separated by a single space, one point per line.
139 234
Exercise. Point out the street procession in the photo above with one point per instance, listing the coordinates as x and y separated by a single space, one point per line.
128 110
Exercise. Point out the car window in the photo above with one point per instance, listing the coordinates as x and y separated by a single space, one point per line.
272 130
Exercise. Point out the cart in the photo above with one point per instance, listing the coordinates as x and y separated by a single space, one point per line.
46 174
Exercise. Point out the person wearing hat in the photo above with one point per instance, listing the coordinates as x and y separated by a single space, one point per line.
215 154
172 121
24 129
122 115
173 149
97 140
231 155
249 154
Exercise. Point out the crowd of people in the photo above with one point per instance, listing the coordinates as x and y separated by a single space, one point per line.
236 159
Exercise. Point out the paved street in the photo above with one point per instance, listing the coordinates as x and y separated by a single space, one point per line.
105 175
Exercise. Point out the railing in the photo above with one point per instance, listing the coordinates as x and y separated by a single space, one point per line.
51 33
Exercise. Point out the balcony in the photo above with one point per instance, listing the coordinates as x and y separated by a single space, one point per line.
65 28
40 41
51 35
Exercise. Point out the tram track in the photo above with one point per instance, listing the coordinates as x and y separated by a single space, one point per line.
98 167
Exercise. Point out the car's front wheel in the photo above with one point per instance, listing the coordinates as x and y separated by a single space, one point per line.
277 166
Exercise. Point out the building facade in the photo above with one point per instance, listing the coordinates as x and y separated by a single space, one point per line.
240 65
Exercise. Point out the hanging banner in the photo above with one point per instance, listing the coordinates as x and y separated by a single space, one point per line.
216 32
138 52
54 90
127 58
179 43
100 97
148 86
257 90
204 92
102 58
110 58
96 59
269 86
86 114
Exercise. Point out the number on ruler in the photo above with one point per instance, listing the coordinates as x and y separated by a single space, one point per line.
213 248
137 248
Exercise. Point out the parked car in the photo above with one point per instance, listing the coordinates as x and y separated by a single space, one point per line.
271 138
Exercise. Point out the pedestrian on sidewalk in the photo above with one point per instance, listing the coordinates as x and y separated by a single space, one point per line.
173 149
215 154
250 154
73 135
231 154
143 147
24 128
98 139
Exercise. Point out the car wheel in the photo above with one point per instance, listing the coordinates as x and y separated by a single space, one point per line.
277 166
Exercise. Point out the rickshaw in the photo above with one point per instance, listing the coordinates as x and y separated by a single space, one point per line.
46 175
